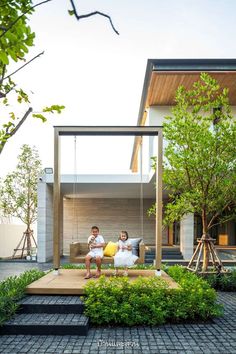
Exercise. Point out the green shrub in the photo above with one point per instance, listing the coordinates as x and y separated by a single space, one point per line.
118 301
222 281
12 289
199 300
149 301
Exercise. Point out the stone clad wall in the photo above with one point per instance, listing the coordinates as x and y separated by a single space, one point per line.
45 222
110 215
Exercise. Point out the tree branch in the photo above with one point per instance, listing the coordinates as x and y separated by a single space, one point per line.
22 15
21 121
217 214
14 72
2 78
79 17
10 134
221 222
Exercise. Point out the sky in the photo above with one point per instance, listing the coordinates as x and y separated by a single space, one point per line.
99 76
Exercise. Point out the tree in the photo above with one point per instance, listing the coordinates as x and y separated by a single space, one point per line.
200 161
18 192
16 38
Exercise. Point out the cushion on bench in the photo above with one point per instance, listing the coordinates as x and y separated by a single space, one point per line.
135 245
110 249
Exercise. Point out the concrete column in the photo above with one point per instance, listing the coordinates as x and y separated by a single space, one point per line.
187 236
45 223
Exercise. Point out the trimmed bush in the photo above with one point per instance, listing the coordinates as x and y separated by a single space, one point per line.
118 301
149 301
12 289
199 300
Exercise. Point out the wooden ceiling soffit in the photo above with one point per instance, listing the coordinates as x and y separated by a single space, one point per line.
163 85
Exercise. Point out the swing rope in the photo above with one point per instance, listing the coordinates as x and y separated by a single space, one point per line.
75 187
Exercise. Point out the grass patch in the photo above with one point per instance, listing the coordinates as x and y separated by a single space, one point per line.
104 266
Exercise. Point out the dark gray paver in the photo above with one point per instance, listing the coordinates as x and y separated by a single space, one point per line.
46 324
47 319
218 336
51 300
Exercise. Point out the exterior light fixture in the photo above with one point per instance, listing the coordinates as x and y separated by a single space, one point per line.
48 170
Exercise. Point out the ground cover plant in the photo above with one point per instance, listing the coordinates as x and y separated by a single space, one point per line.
150 301
12 289
104 266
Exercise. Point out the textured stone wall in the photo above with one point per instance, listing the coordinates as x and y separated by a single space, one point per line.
110 215
45 222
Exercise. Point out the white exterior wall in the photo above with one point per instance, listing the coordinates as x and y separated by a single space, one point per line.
45 222
156 116
10 236
187 236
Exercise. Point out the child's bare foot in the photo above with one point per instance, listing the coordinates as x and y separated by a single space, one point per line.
97 275
88 276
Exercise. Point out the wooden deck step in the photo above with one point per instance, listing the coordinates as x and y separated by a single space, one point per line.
72 282
46 324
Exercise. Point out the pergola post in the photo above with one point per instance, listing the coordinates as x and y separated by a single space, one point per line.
56 202
159 201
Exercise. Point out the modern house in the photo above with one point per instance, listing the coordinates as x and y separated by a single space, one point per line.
115 202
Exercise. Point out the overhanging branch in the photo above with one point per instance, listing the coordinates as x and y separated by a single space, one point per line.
14 72
79 17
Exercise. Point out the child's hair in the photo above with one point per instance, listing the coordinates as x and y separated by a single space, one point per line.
124 233
94 228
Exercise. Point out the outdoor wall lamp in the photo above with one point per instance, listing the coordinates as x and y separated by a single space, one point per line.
48 170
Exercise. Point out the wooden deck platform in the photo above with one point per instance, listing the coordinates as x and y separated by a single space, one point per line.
72 282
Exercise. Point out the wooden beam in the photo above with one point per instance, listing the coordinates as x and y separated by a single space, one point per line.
56 202
108 130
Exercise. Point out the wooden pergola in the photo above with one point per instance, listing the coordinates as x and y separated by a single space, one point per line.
106 131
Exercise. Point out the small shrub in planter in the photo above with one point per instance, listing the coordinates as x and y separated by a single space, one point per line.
149 301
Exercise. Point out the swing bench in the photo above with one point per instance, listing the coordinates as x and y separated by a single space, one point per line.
78 251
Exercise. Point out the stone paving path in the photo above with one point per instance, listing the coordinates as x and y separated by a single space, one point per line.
10 268
217 336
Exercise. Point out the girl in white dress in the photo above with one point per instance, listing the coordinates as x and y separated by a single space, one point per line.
124 256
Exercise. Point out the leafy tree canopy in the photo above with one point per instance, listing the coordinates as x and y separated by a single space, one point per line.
16 38
200 157
18 191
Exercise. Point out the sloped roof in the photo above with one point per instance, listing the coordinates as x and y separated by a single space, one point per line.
164 76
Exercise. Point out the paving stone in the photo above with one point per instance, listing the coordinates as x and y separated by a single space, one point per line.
174 339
